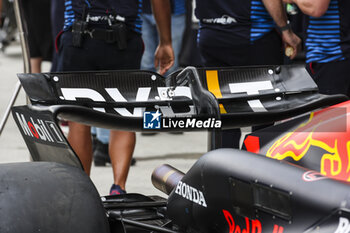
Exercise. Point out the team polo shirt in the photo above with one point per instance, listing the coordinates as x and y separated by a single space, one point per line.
232 22
128 11
178 7
328 36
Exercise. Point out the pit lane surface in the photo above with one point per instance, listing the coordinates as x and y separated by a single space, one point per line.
180 151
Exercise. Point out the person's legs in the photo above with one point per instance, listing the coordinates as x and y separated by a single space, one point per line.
105 57
37 15
121 148
121 143
35 64
79 138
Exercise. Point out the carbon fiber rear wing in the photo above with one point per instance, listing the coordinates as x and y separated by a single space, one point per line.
239 96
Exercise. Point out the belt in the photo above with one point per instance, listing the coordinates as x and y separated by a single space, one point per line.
108 35
117 33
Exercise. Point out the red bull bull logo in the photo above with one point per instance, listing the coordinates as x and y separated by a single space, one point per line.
326 129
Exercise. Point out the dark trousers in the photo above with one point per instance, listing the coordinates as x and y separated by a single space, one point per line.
98 54
37 17
265 51
332 77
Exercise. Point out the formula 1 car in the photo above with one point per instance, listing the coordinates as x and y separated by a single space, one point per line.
289 177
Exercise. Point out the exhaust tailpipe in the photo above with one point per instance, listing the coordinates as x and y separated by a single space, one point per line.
166 177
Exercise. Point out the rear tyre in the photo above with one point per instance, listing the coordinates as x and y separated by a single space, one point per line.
49 197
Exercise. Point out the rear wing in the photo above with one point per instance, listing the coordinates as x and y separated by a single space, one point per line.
239 96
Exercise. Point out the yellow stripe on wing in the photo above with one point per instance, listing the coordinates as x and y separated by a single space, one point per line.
214 87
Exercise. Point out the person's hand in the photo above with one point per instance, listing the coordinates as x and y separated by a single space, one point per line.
164 58
288 1
291 40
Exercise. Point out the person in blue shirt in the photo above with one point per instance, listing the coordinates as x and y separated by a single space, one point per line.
327 43
238 27
243 33
106 35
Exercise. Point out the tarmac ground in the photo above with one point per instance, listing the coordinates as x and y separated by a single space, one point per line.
178 150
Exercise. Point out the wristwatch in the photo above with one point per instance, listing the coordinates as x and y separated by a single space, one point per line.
286 27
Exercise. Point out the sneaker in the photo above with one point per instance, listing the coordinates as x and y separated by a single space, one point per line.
116 190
